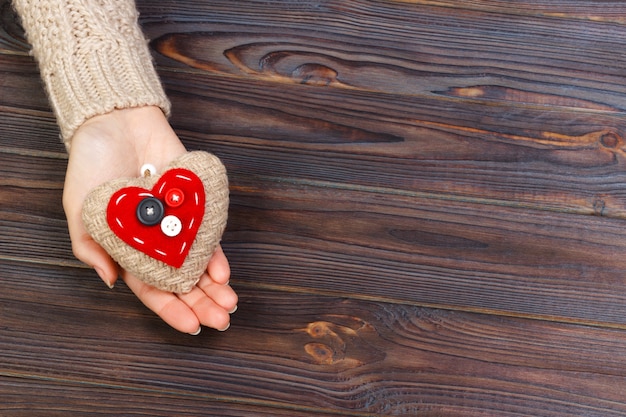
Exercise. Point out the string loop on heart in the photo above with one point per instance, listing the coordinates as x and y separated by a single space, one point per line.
147 170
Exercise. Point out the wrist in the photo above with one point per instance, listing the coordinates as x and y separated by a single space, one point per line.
133 136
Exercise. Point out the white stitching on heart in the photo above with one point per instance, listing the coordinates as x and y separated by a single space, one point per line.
119 199
162 187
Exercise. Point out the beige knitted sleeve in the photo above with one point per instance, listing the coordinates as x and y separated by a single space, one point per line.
92 56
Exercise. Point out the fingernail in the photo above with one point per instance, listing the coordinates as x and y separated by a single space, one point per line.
233 310
197 332
100 273
224 329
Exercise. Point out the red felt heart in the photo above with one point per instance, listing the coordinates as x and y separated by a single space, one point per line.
123 219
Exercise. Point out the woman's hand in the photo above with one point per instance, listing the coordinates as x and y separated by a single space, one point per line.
116 145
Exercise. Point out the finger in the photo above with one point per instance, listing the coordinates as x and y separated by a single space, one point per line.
218 268
206 309
89 252
83 246
222 294
166 305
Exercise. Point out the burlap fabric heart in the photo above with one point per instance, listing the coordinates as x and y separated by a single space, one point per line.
163 228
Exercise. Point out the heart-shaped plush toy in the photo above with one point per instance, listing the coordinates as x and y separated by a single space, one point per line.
163 228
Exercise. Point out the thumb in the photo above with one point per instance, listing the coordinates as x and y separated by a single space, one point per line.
83 245
89 252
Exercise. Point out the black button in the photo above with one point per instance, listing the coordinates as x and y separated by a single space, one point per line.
150 211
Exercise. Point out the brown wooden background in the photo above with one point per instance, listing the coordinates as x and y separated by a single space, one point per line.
428 216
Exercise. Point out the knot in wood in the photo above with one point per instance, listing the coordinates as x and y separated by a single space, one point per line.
319 329
599 206
315 74
610 140
321 353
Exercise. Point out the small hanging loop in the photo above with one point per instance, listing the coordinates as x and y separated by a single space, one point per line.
148 170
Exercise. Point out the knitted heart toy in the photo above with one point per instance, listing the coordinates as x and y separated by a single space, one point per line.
163 228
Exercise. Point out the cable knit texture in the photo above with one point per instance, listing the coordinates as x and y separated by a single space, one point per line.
93 58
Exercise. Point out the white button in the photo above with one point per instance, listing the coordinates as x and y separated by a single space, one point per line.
148 170
171 226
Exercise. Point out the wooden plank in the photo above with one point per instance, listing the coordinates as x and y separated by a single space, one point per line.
427 251
52 398
373 244
383 155
27 124
400 47
573 164
422 98
583 173
36 169
33 221
556 153
596 10
308 353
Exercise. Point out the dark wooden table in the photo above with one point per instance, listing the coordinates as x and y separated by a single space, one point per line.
428 217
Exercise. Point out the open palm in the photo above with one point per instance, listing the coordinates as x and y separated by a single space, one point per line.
116 145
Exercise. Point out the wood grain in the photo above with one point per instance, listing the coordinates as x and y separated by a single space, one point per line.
425 122
352 356
427 216
405 248
534 151
404 48
431 252
83 399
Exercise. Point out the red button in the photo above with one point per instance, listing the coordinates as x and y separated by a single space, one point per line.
174 197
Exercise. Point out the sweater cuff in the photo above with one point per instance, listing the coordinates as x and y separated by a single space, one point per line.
82 86
93 58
